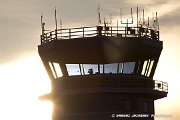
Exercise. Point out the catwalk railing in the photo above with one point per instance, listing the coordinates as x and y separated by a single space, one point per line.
161 86
106 80
115 31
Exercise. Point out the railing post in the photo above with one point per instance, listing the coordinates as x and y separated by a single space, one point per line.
56 34
50 36
111 31
158 35
125 31
46 38
83 32
69 33
162 86
61 33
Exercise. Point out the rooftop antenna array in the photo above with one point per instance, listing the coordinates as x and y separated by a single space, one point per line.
127 19
127 23
106 22
155 24
99 18
143 23
43 23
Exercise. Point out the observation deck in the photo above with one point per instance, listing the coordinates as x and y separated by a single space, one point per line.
124 57
83 32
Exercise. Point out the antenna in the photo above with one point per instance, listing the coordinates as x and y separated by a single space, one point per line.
143 18
55 18
60 24
127 19
153 18
131 15
148 22
137 17
110 18
61 28
121 14
99 15
157 24
104 22
42 24
117 26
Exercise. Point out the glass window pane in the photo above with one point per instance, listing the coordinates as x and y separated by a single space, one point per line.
128 67
111 68
73 69
55 68
150 68
58 69
144 67
52 70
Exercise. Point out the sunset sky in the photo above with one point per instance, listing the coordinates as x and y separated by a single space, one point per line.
22 75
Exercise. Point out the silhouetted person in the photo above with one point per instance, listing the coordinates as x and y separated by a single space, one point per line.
90 71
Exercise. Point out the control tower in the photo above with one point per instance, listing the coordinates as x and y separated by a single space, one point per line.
103 72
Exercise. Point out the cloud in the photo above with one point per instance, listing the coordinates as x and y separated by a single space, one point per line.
19 30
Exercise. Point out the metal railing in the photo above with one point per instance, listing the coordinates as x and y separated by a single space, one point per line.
161 86
83 32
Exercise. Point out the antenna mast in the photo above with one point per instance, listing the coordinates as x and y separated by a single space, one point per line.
110 18
99 15
121 14
55 18
60 24
148 22
157 24
143 18
56 23
127 19
137 17
42 24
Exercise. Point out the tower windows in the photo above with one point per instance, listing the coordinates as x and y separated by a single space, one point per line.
55 68
147 67
73 69
128 67
112 68
139 67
